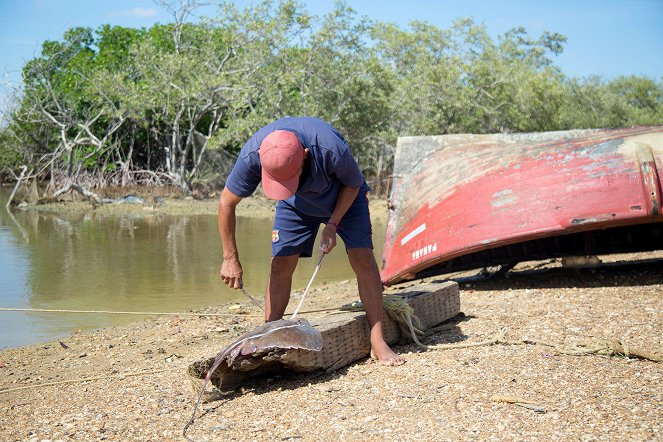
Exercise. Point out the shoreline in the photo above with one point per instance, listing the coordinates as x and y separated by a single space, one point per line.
255 206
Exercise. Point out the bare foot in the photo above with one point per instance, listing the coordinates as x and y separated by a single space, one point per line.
386 355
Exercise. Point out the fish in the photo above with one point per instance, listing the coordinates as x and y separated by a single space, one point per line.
282 334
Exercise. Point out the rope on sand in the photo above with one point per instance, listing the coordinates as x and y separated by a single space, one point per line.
410 327
114 312
602 348
401 312
605 348
526 403
73 381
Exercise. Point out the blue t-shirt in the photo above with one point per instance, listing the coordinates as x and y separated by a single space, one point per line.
331 165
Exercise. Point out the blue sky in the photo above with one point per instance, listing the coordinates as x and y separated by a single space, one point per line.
605 37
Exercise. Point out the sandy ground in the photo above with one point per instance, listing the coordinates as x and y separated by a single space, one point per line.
141 390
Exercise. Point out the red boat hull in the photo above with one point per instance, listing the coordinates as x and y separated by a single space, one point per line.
456 195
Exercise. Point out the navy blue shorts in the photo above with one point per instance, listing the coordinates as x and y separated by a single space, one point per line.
295 232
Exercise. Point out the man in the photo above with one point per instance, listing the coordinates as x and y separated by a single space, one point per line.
305 164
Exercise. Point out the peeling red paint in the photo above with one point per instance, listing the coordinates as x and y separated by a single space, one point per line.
475 192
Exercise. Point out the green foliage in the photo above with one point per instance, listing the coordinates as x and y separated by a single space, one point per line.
10 156
119 101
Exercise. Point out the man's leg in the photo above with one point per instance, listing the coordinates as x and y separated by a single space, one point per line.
370 292
279 285
293 236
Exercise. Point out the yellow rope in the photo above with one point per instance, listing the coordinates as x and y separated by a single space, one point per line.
410 326
526 403
72 381
499 338
113 312
401 312
609 348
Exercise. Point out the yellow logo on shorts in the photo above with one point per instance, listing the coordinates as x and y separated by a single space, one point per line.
275 235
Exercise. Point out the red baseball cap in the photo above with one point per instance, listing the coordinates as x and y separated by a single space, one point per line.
281 158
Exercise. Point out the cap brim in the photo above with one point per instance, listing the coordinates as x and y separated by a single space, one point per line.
279 190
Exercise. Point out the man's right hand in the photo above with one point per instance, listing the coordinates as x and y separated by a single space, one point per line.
231 272
231 269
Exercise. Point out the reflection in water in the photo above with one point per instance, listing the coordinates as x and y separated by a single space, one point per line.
153 262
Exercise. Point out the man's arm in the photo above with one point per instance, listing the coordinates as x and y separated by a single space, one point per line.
346 197
231 269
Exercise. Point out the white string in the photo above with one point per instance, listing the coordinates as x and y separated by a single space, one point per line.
315 272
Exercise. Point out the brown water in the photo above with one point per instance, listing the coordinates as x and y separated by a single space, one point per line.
154 263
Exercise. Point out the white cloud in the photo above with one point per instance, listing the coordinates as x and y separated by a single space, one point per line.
135 12
143 12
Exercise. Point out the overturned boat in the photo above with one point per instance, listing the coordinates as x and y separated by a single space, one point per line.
468 201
